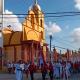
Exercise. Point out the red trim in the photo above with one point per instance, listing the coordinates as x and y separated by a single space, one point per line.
30 42
23 42
22 52
26 54
12 45
42 55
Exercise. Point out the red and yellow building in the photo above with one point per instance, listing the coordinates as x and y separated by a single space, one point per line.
29 43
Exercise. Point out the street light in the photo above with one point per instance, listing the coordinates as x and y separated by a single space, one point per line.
50 36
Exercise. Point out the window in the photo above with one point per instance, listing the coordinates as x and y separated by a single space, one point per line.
32 21
41 22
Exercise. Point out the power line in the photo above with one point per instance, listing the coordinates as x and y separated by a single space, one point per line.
51 20
68 12
46 15
59 47
63 39
50 16
64 43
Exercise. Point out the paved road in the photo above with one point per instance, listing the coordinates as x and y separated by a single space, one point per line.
36 76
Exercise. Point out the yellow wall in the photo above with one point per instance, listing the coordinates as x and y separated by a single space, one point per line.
33 33
6 35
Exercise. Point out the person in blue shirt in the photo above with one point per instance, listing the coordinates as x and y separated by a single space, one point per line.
18 71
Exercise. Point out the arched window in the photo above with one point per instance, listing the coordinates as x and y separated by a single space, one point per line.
32 21
41 22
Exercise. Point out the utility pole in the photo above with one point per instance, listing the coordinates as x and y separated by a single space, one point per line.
50 36
60 55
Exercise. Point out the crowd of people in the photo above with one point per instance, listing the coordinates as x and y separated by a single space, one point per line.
61 70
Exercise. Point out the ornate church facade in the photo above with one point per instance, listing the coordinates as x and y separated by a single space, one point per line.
28 44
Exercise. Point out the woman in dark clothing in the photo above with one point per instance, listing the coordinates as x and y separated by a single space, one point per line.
32 69
51 71
43 71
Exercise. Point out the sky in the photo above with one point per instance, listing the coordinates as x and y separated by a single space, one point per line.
64 30
0 6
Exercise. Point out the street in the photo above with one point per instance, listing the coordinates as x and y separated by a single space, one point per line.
37 76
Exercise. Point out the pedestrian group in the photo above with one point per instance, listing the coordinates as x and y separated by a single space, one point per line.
60 70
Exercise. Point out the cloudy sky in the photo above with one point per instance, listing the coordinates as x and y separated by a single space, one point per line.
65 30
11 19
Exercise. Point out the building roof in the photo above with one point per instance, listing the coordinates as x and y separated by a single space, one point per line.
11 37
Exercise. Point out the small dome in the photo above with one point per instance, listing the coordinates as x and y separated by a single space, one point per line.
35 6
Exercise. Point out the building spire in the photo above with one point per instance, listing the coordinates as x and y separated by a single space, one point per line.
35 1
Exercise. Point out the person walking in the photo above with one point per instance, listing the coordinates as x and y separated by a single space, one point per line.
43 71
51 71
26 66
32 69
18 71
56 70
9 67
65 71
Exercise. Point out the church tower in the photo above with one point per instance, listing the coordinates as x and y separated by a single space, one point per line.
33 30
34 23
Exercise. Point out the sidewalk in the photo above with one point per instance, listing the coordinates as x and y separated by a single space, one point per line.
37 76
12 77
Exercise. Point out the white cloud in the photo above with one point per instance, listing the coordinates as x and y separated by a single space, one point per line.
76 35
11 19
77 4
52 28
